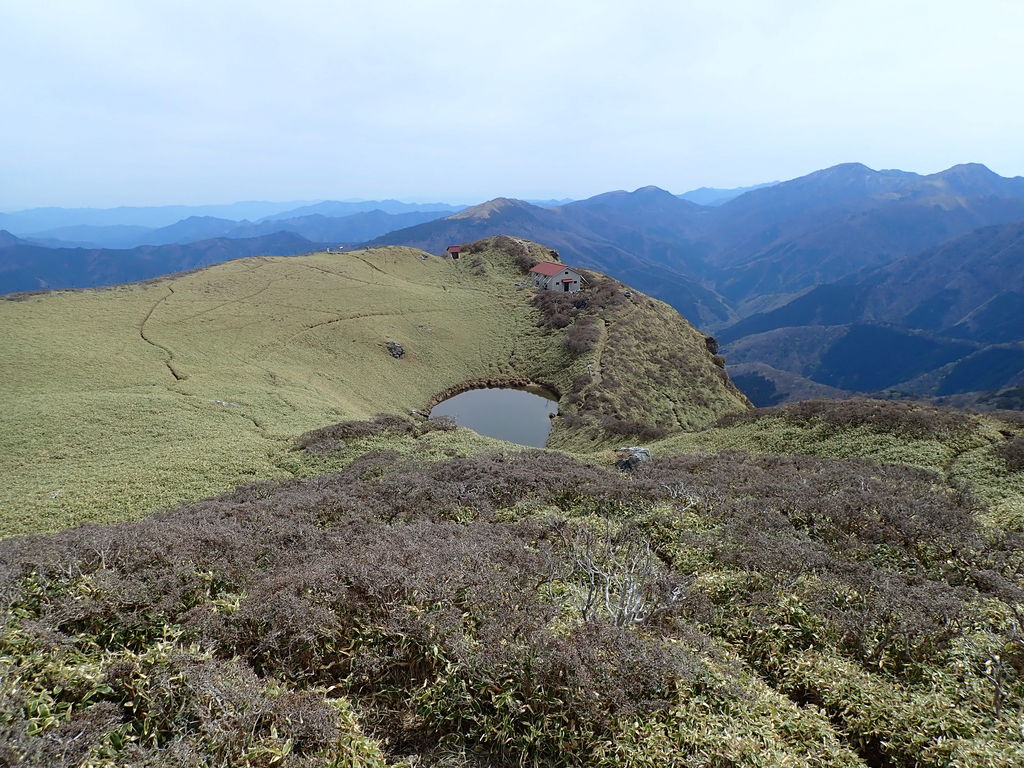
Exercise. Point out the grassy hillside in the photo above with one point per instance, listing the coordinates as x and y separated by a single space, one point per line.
124 400
828 584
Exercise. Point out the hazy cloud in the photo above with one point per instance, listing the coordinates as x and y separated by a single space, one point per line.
122 102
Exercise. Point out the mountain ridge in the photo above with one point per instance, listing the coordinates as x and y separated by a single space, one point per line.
28 267
795 249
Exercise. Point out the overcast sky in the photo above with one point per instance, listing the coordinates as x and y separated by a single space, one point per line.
111 102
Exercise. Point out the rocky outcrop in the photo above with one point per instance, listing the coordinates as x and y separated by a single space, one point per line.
628 459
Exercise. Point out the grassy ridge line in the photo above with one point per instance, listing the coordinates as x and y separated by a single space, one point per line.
124 400
97 428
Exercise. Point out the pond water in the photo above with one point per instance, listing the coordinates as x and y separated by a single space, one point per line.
516 415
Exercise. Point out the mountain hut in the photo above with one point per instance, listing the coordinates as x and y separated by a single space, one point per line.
549 276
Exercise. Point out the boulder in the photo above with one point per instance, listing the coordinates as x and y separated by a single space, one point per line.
628 459
395 349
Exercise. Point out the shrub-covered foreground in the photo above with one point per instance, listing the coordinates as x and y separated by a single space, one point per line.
980 452
525 609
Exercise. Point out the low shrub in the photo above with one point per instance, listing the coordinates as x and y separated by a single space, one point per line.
332 438
636 429
911 419
463 601
584 335
1012 452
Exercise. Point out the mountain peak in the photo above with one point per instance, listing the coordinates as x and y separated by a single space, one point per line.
714 196
203 219
644 197
970 179
651 190
973 171
845 170
7 240
856 172
498 205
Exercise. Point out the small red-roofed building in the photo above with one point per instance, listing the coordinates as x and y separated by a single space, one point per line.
551 276
453 251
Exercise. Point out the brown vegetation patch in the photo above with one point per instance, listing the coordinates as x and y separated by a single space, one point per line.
332 438
1012 452
413 589
603 294
525 255
907 418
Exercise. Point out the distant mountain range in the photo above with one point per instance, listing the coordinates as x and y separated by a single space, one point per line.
757 250
970 287
353 228
347 208
951 317
25 266
849 278
350 227
716 196
43 219
845 280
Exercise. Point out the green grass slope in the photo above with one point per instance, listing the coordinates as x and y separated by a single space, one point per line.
125 400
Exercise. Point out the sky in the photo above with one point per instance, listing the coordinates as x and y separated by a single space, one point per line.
120 102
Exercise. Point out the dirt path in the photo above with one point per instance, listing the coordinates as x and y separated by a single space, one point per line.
166 350
595 368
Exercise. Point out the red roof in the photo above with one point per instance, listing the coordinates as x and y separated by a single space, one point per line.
454 249
548 268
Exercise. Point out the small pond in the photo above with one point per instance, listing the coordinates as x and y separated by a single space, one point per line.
516 415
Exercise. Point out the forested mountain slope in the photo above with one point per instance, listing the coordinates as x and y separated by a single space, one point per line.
951 319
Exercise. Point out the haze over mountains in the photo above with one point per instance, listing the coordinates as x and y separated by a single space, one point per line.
717 196
315 227
847 279
42 219
326 221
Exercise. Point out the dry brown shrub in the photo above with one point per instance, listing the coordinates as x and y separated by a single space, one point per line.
397 580
1012 452
908 418
332 438
584 335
